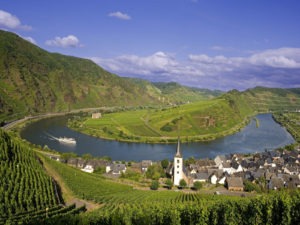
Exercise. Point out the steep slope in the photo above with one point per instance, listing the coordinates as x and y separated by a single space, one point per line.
197 121
33 80
181 94
264 99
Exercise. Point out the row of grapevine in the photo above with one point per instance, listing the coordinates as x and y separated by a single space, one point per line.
282 208
54 215
24 184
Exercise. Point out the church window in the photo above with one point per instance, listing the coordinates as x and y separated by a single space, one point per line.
177 172
177 160
177 166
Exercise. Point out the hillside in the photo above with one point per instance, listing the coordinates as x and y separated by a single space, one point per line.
197 121
27 191
33 80
264 99
183 94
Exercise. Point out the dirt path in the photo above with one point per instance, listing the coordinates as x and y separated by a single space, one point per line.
68 195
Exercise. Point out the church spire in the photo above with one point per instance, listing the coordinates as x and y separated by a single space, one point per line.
178 154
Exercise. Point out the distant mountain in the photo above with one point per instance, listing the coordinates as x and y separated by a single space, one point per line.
183 94
33 80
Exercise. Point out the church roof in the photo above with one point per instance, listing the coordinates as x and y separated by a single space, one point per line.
178 153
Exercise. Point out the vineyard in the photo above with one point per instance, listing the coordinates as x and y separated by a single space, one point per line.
279 208
291 121
27 193
122 204
197 121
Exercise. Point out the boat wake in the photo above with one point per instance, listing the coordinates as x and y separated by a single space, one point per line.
63 140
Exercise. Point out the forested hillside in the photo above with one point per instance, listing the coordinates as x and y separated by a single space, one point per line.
33 80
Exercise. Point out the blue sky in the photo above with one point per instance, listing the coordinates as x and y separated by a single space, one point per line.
213 44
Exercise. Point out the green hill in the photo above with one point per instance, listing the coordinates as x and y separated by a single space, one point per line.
33 80
264 99
197 121
181 94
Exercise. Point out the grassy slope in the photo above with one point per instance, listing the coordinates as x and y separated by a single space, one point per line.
34 80
198 121
182 94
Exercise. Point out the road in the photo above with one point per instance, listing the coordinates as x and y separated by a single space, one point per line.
11 124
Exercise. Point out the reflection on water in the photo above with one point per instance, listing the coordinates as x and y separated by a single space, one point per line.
269 135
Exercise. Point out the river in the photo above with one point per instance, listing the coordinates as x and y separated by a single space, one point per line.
269 135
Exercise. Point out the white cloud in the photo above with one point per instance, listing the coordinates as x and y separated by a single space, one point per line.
30 39
64 42
278 58
274 67
10 21
119 15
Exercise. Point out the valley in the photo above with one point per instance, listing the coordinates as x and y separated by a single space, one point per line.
39 184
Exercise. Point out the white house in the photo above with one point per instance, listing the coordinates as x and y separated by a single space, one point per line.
116 169
213 179
145 164
88 169
96 115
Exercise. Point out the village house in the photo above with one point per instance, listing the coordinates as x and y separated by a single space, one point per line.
277 169
201 177
235 184
145 164
88 169
116 169
96 115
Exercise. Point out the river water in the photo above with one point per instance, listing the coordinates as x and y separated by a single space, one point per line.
269 135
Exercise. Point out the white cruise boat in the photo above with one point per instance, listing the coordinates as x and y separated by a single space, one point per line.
67 140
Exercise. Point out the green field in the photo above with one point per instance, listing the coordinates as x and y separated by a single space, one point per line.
199 121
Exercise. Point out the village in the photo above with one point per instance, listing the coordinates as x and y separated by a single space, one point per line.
268 170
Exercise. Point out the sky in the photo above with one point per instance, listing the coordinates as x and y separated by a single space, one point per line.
214 44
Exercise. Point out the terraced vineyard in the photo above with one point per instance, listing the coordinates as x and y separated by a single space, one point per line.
121 204
273 99
290 120
27 193
197 121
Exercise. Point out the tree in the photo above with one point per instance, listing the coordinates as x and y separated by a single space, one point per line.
154 185
68 155
169 183
86 156
182 183
165 163
155 172
197 185
189 161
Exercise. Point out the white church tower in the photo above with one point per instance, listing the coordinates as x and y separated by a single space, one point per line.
178 166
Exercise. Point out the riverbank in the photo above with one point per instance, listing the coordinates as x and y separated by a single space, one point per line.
121 137
291 121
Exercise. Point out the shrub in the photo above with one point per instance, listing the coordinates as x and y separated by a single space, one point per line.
154 185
